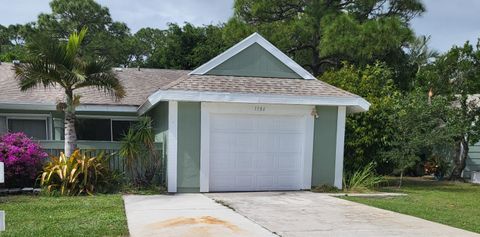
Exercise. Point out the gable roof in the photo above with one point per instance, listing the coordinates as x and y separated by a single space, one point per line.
214 88
253 39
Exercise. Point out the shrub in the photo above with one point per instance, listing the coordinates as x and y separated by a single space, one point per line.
23 159
363 179
77 174
142 161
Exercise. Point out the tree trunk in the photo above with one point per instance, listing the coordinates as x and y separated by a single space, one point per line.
401 180
459 161
70 134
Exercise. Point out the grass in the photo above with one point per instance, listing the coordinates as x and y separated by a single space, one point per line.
101 215
450 203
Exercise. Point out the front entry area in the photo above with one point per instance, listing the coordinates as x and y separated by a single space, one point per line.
256 147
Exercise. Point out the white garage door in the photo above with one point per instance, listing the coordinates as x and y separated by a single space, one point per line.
256 152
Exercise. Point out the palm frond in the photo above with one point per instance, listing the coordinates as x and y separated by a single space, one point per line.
74 43
99 74
31 75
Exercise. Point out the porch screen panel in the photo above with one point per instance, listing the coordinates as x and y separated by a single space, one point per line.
93 129
120 128
37 129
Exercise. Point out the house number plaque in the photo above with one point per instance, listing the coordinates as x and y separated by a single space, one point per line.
259 108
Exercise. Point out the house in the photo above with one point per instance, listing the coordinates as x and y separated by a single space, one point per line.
473 161
250 119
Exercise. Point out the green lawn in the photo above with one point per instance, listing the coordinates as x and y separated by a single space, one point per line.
455 204
101 215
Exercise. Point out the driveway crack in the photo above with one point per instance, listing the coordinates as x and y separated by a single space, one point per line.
227 205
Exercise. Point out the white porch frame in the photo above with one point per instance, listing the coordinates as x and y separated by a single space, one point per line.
265 109
340 140
172 146
41 117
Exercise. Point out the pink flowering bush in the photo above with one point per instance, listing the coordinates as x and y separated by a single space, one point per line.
23 159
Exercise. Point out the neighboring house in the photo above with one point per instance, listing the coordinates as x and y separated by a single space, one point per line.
473 161
250 119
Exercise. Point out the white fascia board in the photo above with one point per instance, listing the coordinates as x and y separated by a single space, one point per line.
33 106
80 108
253 38
107 108
355 104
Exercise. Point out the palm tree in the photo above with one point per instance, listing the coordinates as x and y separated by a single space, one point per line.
60 63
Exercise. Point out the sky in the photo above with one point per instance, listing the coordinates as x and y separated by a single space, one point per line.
448 22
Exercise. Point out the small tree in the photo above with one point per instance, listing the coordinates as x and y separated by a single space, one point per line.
456 76
368 134
418 127
54 62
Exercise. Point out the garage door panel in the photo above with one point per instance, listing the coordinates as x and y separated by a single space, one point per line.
289 142
287 181
220 122
265 181
256 152
286 161
243 122
266 143
264 123
244 161
223 161
225 142
245 142
244 181
222 181
265 161
289 123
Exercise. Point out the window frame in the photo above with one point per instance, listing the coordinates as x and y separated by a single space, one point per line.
42 117
111 118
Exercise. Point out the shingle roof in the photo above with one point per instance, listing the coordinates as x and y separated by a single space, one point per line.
256 85
138 85
141 84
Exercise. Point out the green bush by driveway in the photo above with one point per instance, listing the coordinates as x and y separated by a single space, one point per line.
101 215
452 203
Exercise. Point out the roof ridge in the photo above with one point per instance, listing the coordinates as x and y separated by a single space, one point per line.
175 82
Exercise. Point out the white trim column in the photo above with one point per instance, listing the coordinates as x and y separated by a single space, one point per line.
172 146
308 152
204 149
340 140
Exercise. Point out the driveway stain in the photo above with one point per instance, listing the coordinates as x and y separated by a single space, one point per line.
198 224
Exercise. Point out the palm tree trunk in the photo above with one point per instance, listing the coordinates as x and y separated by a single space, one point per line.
70 134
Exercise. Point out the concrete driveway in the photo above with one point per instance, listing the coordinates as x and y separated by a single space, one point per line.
286 214
291 214
186 215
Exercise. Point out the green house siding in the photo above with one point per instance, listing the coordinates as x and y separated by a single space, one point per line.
188 150
473 161
324 146
159 115
254 61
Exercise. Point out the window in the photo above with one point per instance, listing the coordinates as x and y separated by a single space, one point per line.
35 128
99 129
